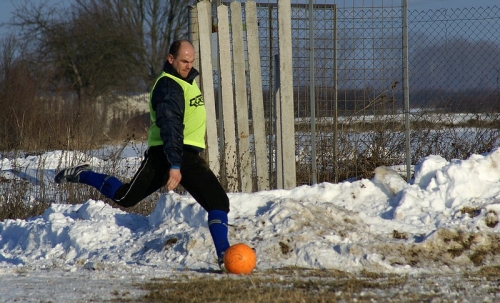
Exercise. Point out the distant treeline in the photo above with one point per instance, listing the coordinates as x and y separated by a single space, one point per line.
368 102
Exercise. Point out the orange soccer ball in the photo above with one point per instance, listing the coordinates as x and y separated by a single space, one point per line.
240 259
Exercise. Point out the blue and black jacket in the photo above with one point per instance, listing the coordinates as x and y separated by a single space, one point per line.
178 116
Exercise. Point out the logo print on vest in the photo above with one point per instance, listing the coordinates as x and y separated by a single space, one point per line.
197 101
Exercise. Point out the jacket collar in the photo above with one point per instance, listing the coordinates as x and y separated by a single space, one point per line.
169 69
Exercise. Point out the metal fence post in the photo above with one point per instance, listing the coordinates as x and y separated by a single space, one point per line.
406 88
277 125
335 97
312 94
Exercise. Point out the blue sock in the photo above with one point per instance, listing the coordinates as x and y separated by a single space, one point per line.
106 184
217 224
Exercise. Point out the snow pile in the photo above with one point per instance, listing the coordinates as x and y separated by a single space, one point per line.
442 220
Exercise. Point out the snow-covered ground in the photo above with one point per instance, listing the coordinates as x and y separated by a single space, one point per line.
445 221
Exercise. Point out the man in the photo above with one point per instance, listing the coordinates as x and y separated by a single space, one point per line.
176 137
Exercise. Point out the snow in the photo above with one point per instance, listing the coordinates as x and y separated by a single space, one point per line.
369 224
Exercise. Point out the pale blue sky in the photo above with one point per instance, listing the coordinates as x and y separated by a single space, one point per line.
436 4
8 6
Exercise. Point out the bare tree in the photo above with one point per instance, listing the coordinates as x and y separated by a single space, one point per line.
87 52
95 47
154 23
16 90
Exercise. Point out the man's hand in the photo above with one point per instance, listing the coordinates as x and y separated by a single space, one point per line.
174 178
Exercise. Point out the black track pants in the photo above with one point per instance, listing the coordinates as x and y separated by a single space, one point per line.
197 179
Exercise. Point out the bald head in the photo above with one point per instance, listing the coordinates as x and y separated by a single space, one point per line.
176 46
181 57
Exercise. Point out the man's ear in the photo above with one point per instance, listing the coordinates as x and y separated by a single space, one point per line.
170 58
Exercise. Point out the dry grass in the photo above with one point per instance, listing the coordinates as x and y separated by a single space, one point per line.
30 194
306 285
284 285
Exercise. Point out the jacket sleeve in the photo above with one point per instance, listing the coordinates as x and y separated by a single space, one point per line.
168 102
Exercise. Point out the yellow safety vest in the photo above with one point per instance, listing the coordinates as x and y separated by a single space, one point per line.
195 115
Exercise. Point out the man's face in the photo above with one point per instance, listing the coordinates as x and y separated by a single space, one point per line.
184 60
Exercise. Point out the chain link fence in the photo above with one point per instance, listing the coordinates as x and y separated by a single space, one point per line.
357 120
455 72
